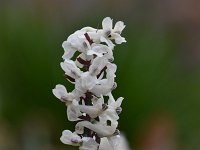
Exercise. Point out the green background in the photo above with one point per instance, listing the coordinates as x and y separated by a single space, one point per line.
158 71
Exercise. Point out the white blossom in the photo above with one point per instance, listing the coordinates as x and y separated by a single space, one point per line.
93 73
84 57
71 69
110 33
101 50
61 93
105 86
73 111
75 42
114 141
70 138
111 113
94 110
97 65
118 142
101 128
88 144
85 82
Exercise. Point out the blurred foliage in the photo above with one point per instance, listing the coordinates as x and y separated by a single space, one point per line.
150 76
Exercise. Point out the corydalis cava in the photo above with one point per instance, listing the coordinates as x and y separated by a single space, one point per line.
93 75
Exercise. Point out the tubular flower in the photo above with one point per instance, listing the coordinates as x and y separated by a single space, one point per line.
93 74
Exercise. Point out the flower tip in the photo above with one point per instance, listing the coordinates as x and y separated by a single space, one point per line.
107 18
64 44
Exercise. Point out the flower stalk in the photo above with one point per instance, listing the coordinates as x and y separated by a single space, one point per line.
92 73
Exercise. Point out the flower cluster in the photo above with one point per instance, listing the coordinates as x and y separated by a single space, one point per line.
88 64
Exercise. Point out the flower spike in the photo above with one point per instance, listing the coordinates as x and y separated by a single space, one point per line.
93 74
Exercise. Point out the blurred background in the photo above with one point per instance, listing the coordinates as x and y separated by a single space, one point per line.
158 70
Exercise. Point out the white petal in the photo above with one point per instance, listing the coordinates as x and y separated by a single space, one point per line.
101 51
108 42
109 114
77 94
123 144
88 144
86 82
97 65
113 103
111 99
111 68
66 45
103 87
92 52
70 138
100 48
73 111
95 36
119 26
107 24
105 145
71 69
69 51
60 92
98 101
92 111
68 54
118 38
100 129
119 101
77 41
88 29
114 141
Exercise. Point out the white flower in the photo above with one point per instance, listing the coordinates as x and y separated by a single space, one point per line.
69 50
101 128
85 82
88 144
97 65
70 138
101 50
75 42
107 41
61 93
105 86
92 111
88 29
111 143
111 69
114 143
113 110
73 111
93 75
83 59
113 34
71 69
